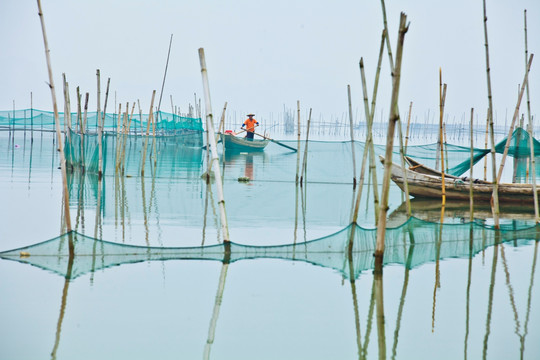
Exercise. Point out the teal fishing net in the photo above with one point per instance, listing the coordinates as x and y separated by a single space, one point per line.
412 244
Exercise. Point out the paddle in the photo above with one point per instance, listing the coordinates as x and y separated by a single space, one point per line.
277 142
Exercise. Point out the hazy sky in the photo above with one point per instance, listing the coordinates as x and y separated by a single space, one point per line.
264 55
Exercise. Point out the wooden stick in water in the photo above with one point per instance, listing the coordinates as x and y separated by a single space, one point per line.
471 179
352 134
495 198
486 146
67 216
213 148
394 116
304 163
298 146
531 133
148 121
514 118
408 125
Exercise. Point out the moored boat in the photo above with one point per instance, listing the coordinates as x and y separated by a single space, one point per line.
425 182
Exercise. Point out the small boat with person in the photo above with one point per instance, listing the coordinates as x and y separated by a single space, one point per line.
242 144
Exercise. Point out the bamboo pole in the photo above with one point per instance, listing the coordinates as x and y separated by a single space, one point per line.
471 179
352 134
394 116
402 157
148 121
442 98
486 146
67 216
304 162
372 160
213 148
32 117
298 146
408 125
99 129
164 76
495 198
514 118
531 133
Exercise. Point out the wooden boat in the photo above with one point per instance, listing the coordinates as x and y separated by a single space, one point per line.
427 183
241 144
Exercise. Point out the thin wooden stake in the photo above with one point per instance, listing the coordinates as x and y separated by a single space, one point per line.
531 133
298 146
67 216
213 148
514 118
471 179
394 116
304 163
408 125
352 135
495 198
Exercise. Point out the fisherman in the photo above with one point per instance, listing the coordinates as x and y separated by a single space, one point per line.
250 124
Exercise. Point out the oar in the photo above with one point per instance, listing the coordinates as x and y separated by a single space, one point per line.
277 142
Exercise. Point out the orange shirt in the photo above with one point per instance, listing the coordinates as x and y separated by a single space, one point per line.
250 124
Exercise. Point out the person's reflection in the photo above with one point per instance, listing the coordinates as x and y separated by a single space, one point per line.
249 167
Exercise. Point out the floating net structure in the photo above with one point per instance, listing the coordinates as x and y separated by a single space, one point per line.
44 120
412 244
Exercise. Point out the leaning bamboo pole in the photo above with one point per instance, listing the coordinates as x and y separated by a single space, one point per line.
213 148
148 121
408 125
514 118
471 181
402 158
352 134
67 216
372 160
531 133
304 162
495 198
394 116
298 146
99 128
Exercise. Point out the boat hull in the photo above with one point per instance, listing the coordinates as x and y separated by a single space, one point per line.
240 144
430 186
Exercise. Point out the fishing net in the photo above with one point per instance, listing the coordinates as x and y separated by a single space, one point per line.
44 120
412 244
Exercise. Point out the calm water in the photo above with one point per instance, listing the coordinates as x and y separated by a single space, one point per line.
478 307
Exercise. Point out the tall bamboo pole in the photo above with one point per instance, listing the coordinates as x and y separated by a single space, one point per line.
352 134
408 125
531 133
495 198
148 121
164 76
372 160
394 116
213 148
402 157
304 162
442 98
471 179
58 132
298 146
514 118
486 145
99 129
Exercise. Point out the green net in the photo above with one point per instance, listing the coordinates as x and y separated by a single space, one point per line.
412 244
44 120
